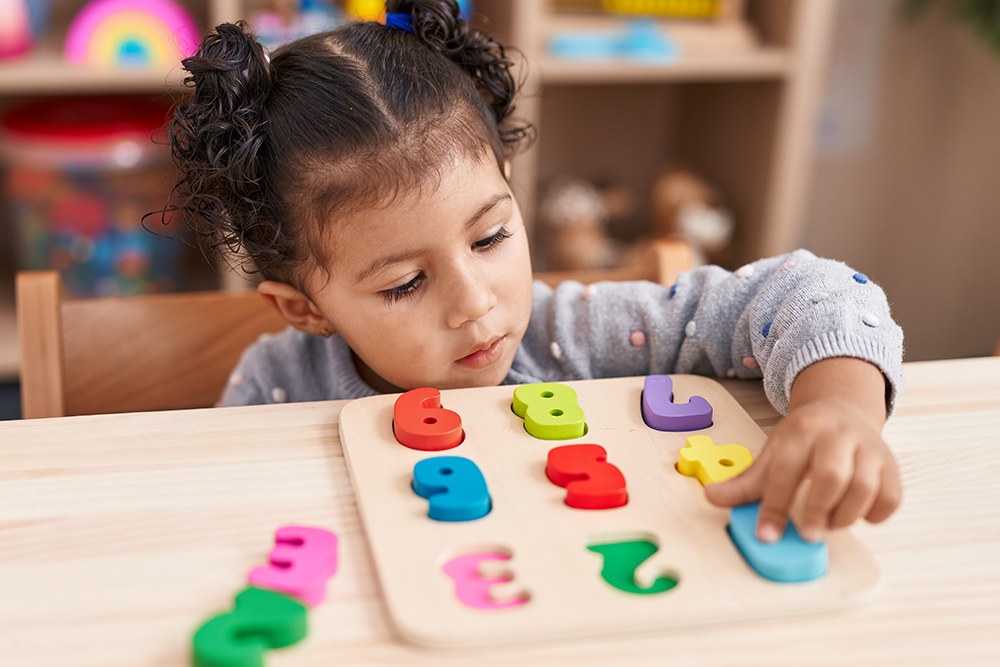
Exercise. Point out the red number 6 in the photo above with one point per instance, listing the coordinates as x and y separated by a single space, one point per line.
419 421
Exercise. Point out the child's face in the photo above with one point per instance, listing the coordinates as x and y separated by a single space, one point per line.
434 290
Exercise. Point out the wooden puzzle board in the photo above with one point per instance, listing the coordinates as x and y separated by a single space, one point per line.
548 540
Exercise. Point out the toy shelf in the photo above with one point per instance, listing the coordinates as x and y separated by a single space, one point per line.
46 73
706 50
43 73
762 64
737 105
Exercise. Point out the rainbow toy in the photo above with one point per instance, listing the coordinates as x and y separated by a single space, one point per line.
131 33
15 38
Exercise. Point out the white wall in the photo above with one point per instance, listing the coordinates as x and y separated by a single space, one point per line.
906 183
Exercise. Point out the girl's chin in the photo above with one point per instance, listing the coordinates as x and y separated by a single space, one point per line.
486 378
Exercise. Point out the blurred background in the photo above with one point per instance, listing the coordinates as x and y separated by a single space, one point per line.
863 130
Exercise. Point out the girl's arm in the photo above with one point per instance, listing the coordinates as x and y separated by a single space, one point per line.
817 332
832 438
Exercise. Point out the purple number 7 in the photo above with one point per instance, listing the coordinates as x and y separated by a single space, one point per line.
660 412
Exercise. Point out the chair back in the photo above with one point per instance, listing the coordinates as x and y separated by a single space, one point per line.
130 354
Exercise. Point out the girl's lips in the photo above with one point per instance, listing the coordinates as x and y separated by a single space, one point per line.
483 358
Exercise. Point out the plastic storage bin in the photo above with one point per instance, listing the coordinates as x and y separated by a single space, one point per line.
79 174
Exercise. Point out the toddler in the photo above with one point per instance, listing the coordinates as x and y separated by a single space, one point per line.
363 172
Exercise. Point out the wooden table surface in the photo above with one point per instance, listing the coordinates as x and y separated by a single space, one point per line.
119 534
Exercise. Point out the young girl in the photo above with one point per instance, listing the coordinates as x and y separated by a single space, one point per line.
363 173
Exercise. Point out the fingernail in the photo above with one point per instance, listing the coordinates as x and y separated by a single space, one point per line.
768 532
812 534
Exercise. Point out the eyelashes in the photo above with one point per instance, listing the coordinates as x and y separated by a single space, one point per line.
492 240
408 289
394 294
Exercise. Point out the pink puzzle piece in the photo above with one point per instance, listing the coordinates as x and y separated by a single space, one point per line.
472 588
301 561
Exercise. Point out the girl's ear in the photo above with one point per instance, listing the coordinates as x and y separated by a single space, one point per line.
297 308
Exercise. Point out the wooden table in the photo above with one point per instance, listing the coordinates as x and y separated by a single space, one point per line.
119 534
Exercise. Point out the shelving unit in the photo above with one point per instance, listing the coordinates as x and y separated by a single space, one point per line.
737 106
44 73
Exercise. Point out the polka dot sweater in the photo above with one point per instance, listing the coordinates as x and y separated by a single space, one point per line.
769 319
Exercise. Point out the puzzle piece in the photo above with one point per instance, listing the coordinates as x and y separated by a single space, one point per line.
260 620
454 486
789 560
622 559
710 463
661 413
550 410
419 421
300 563
591 482
476 588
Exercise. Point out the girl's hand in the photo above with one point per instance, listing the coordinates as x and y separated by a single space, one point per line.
831 437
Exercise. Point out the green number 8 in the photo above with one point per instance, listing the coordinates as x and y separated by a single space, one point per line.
550 411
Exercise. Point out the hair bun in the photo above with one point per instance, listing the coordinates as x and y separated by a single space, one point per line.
230 67
217 136
438 23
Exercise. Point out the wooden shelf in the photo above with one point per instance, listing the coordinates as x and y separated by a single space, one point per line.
762 64
44 72
737 106
708 51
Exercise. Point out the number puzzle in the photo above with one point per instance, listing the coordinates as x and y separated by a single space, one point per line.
561 510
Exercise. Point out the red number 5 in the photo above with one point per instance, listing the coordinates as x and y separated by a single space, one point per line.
591 482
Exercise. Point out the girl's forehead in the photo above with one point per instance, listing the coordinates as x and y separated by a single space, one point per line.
454 185
411 222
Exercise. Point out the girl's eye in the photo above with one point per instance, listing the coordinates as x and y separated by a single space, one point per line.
394 294
493 240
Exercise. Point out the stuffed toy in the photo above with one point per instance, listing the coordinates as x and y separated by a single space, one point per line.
575 216
683 205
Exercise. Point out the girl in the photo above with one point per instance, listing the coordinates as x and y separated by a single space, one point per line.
363 171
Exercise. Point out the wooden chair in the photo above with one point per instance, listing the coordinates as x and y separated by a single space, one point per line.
173 351
129 354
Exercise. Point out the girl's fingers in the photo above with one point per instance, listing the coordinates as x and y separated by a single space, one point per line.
862 491
744 488
832 470
782 477
889 496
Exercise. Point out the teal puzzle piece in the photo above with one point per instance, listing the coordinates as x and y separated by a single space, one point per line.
789 560
455 487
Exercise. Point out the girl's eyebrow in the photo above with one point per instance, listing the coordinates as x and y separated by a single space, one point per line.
388 260
485 208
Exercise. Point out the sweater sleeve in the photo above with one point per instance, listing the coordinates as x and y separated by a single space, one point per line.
769 319
247 381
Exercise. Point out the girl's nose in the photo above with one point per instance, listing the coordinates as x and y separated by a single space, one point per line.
473 298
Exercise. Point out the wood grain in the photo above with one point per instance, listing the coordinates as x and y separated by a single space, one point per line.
121 533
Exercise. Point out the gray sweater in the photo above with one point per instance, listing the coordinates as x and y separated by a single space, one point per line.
769 319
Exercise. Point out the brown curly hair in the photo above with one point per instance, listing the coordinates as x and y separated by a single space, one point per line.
269 150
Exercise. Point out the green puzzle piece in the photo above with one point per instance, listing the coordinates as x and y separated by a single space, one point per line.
621 559
261 620
550 411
